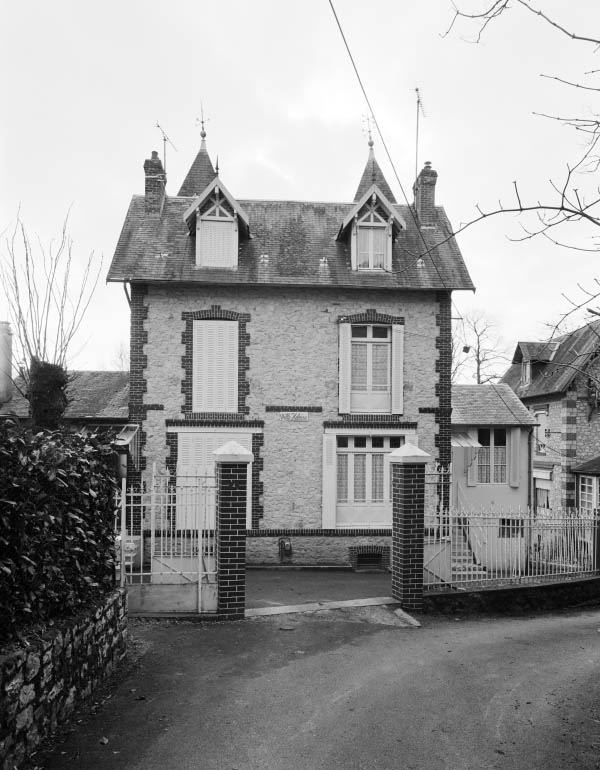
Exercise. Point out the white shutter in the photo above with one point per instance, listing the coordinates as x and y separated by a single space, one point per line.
216 243
329 481
215 366
388 250
514 457
397 369
196 476
344 367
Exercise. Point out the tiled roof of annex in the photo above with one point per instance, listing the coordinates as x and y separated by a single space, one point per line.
490 404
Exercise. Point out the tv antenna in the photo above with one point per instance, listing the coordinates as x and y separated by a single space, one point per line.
420 111
165 139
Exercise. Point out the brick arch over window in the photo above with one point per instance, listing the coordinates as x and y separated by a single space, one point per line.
215 313
371 316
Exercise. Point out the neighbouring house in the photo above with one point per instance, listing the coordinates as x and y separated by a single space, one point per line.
315 334
559 382
96 400
492 436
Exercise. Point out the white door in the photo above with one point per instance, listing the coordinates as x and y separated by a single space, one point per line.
196 477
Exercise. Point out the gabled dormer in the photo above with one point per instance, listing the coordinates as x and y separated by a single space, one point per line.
215 220
372 223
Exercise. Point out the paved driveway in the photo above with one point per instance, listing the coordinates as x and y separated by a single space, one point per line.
350 689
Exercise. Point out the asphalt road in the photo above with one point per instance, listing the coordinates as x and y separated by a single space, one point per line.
349 689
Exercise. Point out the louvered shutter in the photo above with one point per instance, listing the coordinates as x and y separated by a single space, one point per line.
215 366
216 243
329 481
344 368
514 458
397 369
388 250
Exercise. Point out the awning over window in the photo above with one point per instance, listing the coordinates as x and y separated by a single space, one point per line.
463 440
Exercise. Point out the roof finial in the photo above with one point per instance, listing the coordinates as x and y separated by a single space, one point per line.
201 122
217 166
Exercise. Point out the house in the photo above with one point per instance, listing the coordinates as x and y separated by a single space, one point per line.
315 334
97 400
491 449
559 382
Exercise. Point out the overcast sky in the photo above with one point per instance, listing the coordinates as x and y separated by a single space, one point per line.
84 85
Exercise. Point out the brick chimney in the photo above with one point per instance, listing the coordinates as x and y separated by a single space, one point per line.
156 182
424 192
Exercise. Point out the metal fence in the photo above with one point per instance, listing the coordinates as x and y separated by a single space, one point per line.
167 534
470 549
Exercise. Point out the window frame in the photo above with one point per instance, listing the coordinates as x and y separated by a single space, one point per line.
369 400
492 463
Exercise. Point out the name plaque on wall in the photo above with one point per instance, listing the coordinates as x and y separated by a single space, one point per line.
293 416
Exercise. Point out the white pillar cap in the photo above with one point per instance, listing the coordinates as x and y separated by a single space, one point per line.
232 452
408 454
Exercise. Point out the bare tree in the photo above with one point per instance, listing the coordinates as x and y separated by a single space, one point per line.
564 203
479 350
46 305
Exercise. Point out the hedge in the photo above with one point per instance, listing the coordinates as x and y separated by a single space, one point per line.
57 494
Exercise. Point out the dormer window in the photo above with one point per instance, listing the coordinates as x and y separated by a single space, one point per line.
215 218
216 233
526 373
373 238
372 225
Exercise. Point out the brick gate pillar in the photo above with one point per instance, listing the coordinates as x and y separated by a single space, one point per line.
232 462
408 516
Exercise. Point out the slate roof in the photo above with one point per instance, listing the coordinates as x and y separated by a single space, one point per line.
591 467
93 395
572 355
298 237
373 175
200 174
492 404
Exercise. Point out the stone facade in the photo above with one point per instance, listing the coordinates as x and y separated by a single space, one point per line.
40 687
288 361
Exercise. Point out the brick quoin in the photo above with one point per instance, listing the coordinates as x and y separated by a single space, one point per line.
231 505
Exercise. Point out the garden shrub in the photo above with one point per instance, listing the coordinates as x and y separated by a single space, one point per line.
57 502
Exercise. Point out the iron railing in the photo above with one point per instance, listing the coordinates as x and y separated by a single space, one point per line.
475 548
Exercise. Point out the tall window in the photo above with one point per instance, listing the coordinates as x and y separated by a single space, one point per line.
215 366
589 493
491 457
371 364
370 376
541 416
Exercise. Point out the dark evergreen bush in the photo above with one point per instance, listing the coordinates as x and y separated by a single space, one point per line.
57 502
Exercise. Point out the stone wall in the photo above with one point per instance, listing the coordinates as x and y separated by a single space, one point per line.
40 687
331 550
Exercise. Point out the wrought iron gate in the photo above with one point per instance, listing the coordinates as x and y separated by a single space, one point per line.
168 555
